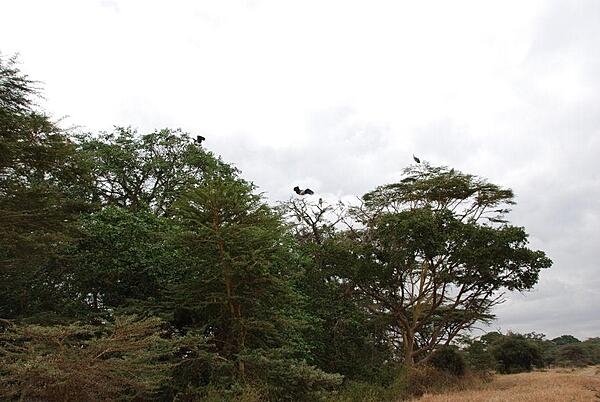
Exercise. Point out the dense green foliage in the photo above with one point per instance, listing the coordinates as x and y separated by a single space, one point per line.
515 353
142 267
39 200
450 360
124 359
143 172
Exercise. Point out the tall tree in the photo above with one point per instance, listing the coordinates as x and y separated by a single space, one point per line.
39 187
237 286
432 254
235 241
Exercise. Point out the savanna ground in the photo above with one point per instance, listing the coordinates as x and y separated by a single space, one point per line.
555 385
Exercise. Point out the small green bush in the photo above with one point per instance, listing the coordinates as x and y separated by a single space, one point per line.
515 354
450 360
478 358
395 389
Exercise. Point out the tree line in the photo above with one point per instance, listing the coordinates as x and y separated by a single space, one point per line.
143 267
513 352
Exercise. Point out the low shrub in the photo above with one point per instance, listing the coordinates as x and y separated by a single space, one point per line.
450 360
515 354
409 383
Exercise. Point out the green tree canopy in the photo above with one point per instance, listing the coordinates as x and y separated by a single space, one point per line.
431 253
565 340
147 171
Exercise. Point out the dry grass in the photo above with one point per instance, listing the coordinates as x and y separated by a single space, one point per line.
557 385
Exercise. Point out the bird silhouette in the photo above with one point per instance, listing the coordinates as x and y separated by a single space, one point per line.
307 191
416 159
199 139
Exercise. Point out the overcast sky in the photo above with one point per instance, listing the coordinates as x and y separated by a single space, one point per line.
338 95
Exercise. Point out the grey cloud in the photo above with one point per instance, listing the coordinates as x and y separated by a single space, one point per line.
555 308
565 26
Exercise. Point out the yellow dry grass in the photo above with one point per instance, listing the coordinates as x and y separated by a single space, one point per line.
556 385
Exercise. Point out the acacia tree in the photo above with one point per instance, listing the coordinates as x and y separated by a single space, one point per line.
431 254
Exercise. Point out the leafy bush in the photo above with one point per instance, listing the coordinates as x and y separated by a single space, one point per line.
515 354
449 359
592 347
288 380
478 357
397 386
572 355
408 383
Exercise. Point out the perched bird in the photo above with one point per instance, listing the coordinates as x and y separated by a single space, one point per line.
199 139
303 192
416 159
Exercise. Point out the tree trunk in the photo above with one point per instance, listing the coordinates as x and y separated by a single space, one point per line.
409 347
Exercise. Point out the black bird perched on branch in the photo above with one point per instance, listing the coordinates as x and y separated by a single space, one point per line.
199 139
303 192
416 159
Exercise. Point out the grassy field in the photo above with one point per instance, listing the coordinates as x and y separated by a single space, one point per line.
556 385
